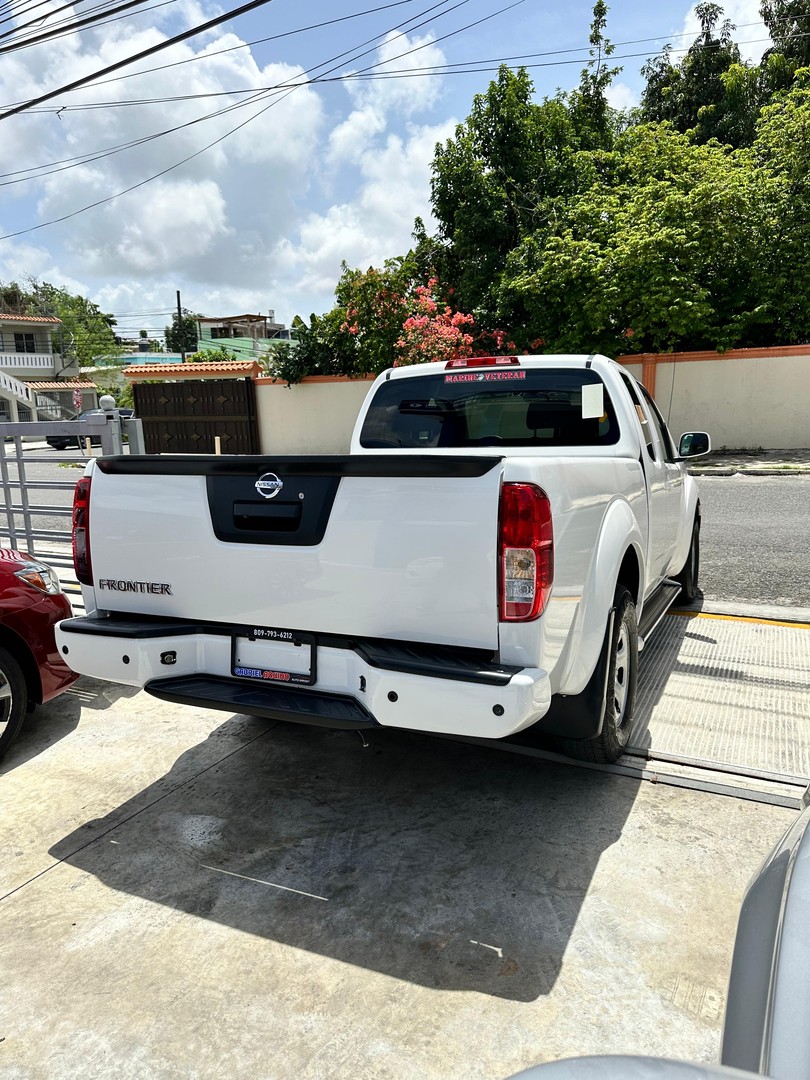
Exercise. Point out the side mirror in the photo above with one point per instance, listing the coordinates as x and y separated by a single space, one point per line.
694 444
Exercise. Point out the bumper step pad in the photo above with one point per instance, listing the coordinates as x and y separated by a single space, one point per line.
272 702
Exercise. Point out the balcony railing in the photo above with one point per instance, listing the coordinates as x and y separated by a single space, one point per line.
40 360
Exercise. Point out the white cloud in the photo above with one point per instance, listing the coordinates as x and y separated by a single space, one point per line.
169 219
375 101
406 96
39 263
349 140
376 225
621 96
260 220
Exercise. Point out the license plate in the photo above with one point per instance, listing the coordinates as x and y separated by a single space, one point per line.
269 655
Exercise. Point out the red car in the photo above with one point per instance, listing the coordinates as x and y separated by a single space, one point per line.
31 670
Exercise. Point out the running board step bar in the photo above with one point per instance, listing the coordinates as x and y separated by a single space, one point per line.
656 608
271 702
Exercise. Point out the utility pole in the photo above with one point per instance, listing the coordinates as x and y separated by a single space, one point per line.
181 330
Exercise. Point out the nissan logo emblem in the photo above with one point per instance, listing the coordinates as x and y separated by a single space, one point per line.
269 485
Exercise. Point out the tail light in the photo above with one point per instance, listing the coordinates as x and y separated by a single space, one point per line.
482 361
81 532
526 552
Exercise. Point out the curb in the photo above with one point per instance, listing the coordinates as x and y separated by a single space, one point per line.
799 470
742 609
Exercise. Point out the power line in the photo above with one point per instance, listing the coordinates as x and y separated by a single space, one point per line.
465 67
21 40
25 9
77 25
257 41
190 157
232 14
282 90
64 28
278 90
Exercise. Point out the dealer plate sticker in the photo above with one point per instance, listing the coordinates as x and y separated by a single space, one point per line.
270 655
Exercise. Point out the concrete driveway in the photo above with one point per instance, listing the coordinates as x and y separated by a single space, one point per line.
188 894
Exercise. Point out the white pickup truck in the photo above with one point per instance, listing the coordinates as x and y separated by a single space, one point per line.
490 556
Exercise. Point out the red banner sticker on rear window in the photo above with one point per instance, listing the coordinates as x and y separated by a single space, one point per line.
486 376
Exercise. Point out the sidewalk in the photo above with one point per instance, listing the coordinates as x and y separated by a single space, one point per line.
752 462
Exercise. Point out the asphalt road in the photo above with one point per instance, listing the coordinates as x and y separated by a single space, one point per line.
39 472
755 539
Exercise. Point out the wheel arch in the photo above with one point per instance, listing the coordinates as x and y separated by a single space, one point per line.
618 560
630 574
691 512
21 652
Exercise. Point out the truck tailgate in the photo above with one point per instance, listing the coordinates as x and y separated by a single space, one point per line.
386 546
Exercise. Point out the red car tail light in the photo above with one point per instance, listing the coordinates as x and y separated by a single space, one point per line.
81 532
525 552
482 361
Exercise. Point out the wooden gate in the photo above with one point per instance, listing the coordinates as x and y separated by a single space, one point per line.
185 417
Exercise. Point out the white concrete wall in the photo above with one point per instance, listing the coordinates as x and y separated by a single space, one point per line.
315 416
742 401
750 402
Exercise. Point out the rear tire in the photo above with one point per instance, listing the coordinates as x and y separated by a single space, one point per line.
620 690
13 699
688 577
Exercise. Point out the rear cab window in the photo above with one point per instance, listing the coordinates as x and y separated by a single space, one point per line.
519 407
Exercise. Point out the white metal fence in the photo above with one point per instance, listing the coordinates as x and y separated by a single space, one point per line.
25 497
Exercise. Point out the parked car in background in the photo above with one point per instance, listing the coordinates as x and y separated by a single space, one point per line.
31 670
62 442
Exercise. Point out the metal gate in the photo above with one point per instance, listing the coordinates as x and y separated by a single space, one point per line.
188 417
37 495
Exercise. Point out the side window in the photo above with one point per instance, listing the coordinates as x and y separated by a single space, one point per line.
632 389
663 432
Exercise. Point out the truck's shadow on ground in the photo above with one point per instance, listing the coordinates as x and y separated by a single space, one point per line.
448 865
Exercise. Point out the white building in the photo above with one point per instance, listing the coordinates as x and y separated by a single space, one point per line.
37 383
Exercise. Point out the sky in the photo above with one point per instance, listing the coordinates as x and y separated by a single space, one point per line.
242 166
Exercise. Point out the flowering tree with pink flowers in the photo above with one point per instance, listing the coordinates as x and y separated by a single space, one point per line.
433 331
382 318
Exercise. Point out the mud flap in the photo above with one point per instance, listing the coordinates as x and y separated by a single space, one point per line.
580 716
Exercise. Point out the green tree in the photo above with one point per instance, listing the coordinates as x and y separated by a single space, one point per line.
220 355
358 336
13 299
112 381
575 232
594 119
788 23
656 257
511 167
85 332
181 336
692 95
506 171
780 168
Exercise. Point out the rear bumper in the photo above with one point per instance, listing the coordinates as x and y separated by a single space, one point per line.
359 683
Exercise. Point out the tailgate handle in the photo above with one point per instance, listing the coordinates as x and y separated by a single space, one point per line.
267 517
